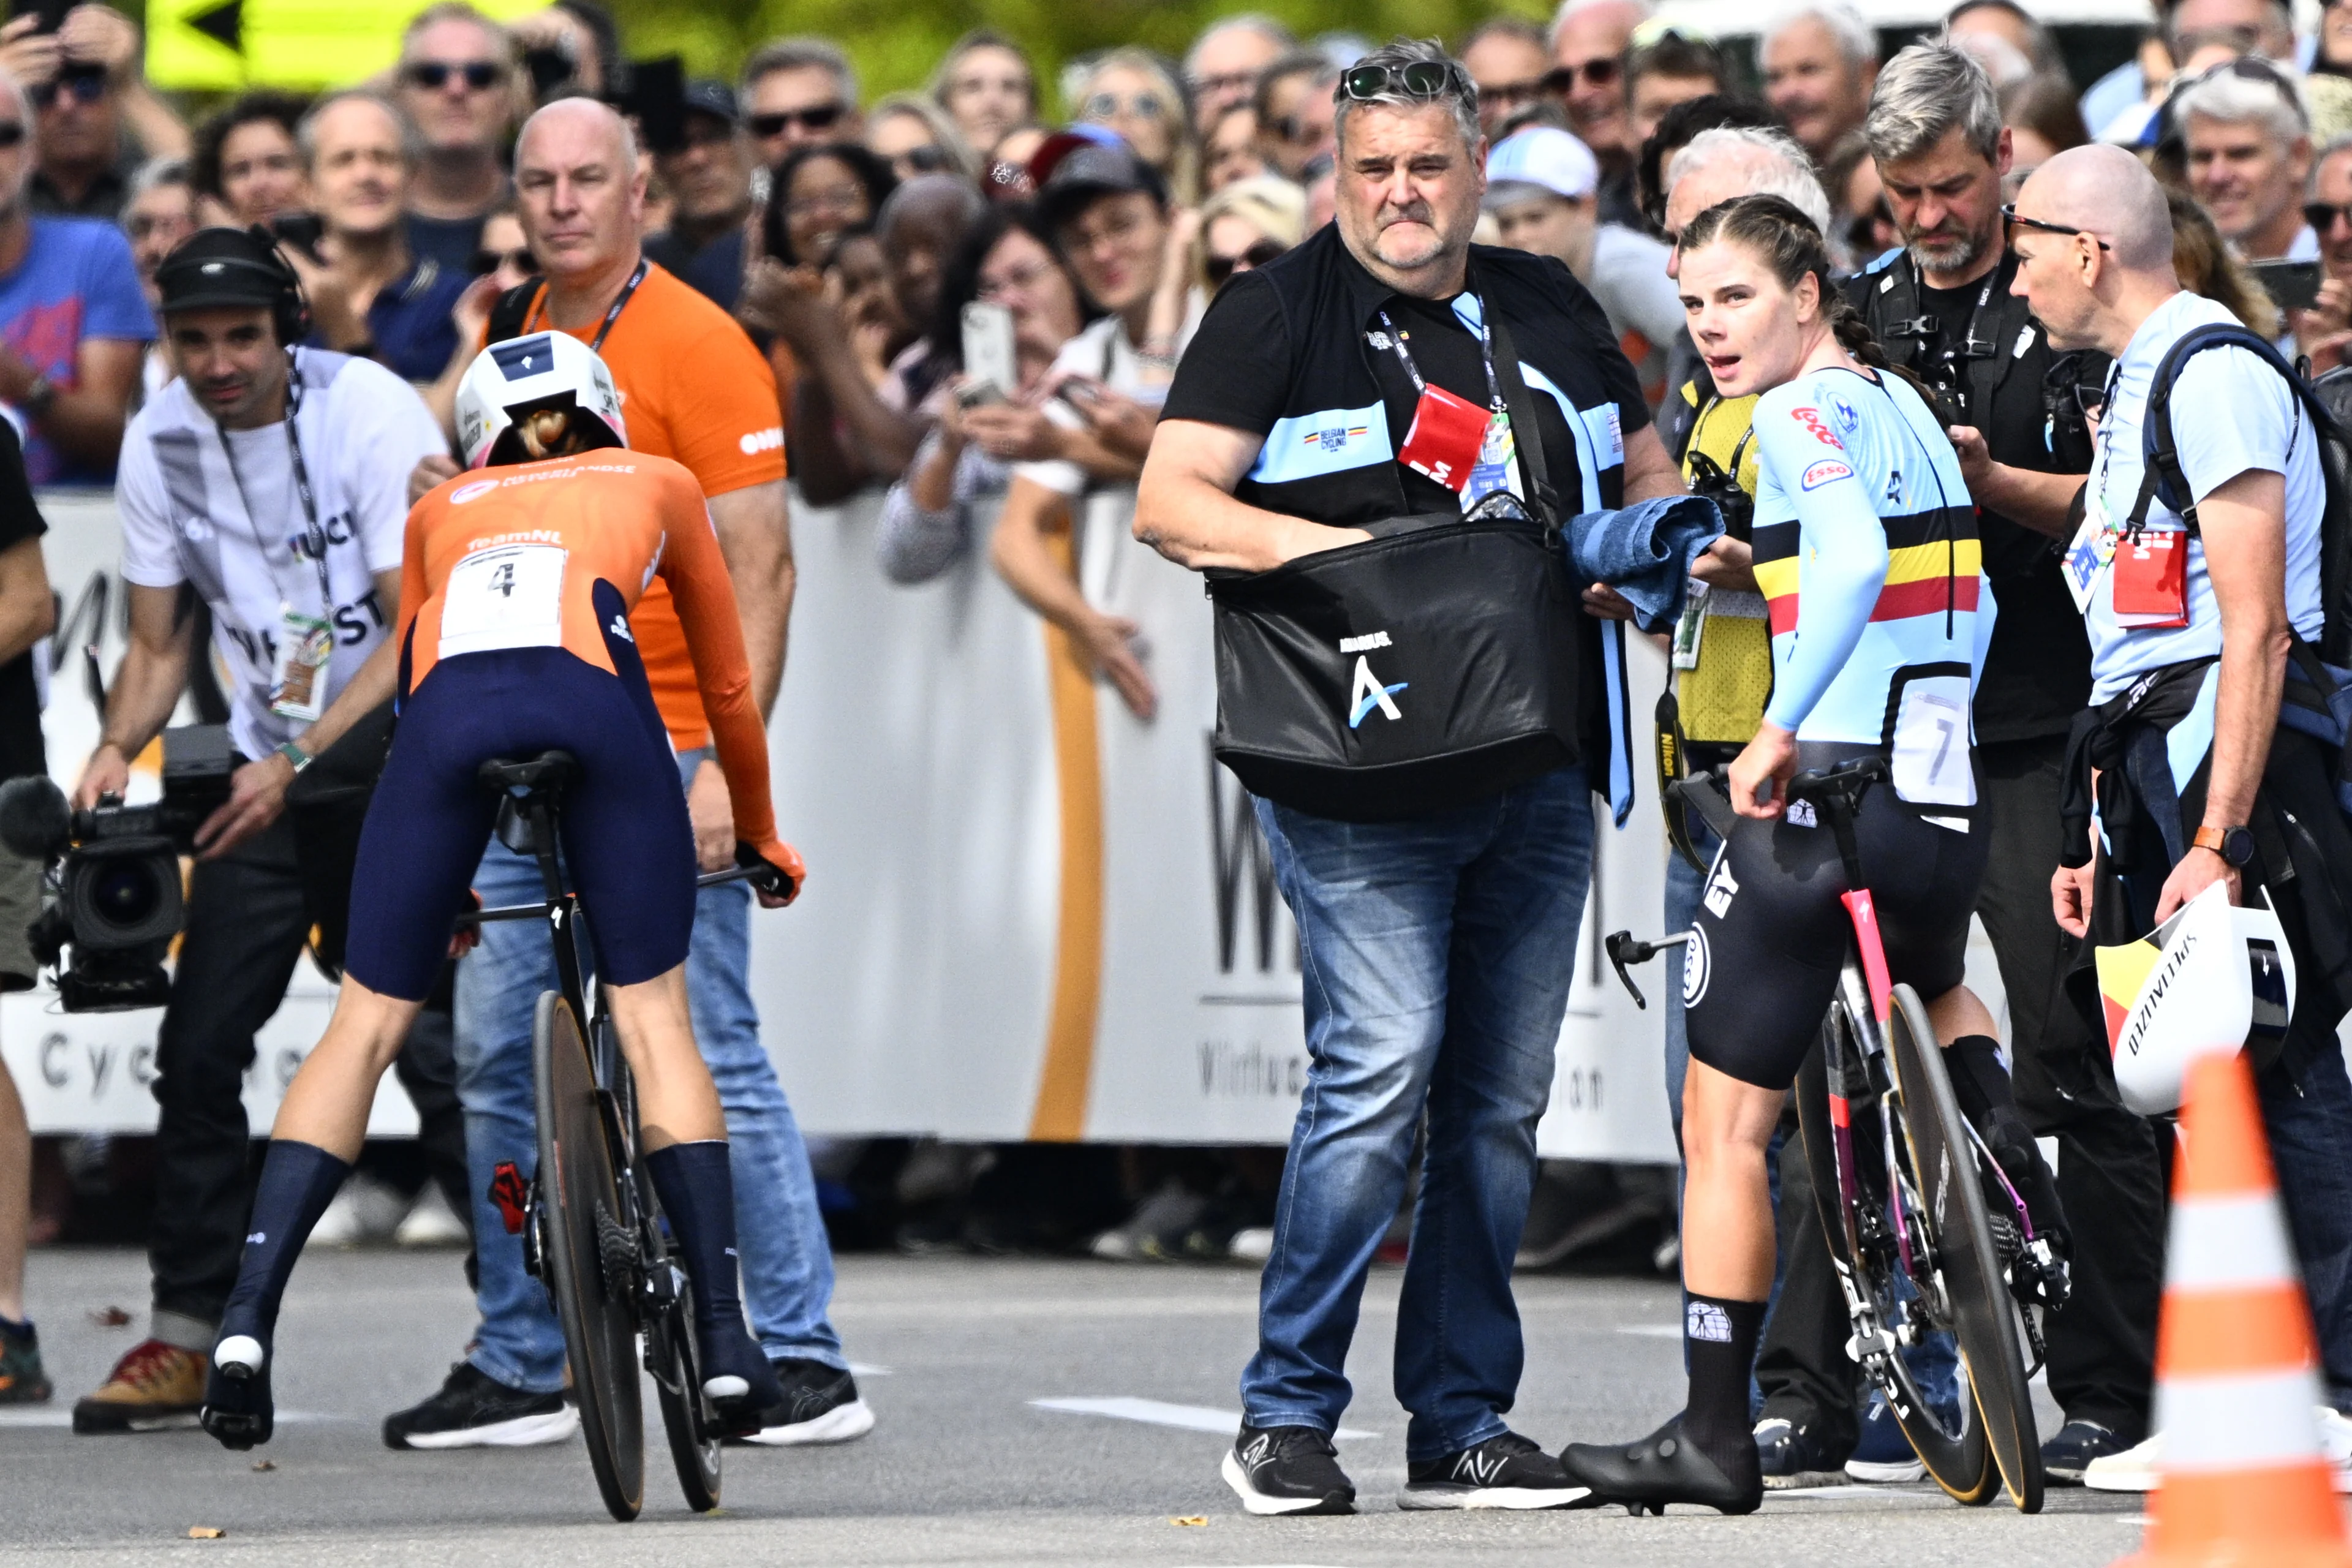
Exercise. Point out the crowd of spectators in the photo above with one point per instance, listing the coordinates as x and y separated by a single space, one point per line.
1100 204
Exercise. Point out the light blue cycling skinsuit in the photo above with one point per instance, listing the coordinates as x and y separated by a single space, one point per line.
1867 557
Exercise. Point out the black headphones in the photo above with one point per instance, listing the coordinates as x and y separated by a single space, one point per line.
289 307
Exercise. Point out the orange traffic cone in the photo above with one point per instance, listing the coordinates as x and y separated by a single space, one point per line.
2244 1478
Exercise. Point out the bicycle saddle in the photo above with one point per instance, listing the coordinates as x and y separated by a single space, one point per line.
548 770
1841 787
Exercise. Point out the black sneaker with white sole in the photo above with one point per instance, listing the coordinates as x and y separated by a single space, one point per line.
820 1405
474 1410
1505 1471
1287 1470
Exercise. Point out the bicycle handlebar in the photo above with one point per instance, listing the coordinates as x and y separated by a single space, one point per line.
535 911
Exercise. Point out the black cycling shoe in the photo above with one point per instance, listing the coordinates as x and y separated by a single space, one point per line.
737 1380
238 1410
1663 1467
1287 1470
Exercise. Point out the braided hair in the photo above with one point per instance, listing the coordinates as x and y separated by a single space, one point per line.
1785 240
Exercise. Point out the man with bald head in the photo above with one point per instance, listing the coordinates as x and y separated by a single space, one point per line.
1588 40
2189 665
694 389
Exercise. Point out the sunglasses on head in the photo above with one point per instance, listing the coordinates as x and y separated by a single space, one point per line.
2011 216
479 76
85 86
488 261
1414 79
1220 268
817 117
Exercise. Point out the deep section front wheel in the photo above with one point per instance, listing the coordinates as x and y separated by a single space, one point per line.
1839 1111
590 1257
1943 1161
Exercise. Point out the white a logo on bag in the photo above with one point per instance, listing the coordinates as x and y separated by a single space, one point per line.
1369 693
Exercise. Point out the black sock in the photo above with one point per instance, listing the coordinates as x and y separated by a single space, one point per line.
297 1182
15 1330
1987 1099
697 1192
1719 1337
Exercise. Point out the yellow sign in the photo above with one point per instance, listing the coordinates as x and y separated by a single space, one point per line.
221 46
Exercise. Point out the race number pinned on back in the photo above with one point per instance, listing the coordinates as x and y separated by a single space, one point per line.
1928 743
509 596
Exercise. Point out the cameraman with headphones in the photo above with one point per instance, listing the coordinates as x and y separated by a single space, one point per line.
272 482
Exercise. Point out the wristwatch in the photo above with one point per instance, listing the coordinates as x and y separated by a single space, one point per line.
295 754
2235 846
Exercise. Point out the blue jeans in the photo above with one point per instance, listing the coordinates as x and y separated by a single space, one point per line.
787 1263
1437 955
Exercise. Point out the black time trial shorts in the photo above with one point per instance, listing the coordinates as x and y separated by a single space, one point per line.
1762 963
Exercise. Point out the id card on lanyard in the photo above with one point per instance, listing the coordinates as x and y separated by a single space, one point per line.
1467 448
304 642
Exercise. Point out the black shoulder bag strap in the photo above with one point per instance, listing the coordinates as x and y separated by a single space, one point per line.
513 310
1527 434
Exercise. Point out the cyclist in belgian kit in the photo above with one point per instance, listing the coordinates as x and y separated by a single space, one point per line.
1866 553
515 638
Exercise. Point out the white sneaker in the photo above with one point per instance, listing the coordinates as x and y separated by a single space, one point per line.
431 1223
2141 1469
2133 1470
365 1213
1253 1246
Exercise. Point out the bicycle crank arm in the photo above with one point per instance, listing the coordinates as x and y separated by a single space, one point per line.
1624 949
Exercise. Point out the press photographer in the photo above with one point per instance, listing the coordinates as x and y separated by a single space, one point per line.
271 483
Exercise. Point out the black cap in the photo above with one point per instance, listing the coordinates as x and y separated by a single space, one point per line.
1086 171
715 98
222 266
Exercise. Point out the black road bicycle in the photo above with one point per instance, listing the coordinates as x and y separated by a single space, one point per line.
593 1235
1927 1234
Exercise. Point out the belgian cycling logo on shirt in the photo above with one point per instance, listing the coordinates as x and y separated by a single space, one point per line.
1368 694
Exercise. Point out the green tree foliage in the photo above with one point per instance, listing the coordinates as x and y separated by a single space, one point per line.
897 46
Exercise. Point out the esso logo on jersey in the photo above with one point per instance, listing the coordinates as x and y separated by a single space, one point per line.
760 441
1824 472
1811 419
474 492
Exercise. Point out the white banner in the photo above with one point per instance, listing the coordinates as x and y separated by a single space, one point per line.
1028 914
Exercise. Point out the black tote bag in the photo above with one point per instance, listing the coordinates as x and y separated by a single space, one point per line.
1430 667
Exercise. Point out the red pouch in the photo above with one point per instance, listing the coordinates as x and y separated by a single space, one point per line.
2152 578
1442 444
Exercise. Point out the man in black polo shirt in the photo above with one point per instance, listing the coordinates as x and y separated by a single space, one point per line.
1438 948
1943 308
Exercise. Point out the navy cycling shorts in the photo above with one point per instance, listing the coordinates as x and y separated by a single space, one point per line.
627 845
1764 954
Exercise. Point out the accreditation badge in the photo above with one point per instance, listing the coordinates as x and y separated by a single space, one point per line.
298 675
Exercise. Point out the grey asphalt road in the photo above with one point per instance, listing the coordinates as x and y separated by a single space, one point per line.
965 1467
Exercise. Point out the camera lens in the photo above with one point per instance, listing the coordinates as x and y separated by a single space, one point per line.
125 894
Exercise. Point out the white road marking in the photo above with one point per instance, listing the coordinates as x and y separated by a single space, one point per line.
860 1369
1653 1331
1159 1413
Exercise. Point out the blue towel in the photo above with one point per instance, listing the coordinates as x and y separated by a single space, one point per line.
1645 552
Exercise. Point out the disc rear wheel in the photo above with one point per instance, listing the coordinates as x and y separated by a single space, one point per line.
676 1362
590 1258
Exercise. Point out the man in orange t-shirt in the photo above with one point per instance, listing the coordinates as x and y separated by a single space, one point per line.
694 389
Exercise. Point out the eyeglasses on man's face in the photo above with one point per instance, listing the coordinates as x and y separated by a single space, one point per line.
2011 216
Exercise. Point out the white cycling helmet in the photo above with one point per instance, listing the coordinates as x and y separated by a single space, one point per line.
2214 977
520 372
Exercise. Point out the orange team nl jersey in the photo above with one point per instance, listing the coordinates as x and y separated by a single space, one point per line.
694 390
508 557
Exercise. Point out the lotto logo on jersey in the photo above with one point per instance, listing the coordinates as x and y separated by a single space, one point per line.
1824 472
760 441
1811 419
474 492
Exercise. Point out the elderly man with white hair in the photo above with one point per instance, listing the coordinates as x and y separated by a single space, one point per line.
2249 141
2188 669
1820 60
